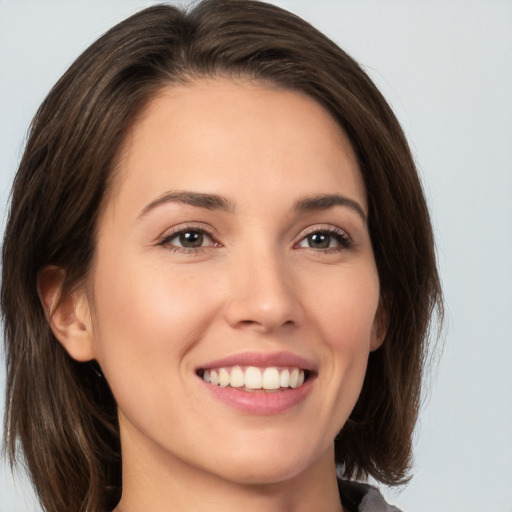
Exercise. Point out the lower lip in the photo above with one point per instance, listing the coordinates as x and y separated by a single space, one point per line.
261 402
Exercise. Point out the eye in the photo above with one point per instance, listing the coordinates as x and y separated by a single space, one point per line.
188 239
322 239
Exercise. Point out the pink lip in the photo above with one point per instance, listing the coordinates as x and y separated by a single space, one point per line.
262 402
261 360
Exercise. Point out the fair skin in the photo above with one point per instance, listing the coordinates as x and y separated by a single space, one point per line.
235 228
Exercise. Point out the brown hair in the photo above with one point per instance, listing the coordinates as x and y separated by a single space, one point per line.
63 416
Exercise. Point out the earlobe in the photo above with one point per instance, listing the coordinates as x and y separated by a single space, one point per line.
380 327
68 314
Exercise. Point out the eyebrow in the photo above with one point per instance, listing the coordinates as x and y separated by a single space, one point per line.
326 201
208 201
218 202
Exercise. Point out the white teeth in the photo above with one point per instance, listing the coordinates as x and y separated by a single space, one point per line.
255 378
223 378
284 378
294 378
271 379
237 377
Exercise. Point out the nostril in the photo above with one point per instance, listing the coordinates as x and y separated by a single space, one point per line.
247 323
265 325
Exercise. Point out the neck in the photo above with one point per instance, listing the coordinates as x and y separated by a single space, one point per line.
172 484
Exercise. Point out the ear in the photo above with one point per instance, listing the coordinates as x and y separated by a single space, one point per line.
68 314
380 326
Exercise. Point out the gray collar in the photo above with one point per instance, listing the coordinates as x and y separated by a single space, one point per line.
360 497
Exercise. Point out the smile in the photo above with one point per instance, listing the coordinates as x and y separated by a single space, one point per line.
258 383
253 378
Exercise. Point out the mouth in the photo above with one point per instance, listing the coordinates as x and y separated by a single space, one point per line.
255 373
268 379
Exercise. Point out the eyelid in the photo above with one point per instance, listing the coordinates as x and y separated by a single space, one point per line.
329 229
171 233
333 230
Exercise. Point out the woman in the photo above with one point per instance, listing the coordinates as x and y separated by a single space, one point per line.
218 273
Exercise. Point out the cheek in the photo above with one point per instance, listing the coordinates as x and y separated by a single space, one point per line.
346 308
147 318
148 322
345 314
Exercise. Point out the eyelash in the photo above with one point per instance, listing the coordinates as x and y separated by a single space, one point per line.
341 237
166 239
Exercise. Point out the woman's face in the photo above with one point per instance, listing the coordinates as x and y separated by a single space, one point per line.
233 261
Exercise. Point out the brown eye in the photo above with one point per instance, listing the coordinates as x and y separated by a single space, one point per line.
331 239
191 239
188 239
319 240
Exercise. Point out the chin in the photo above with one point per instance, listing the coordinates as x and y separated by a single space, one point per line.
267 467
269 473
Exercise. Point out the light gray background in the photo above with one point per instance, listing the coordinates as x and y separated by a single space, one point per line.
446 68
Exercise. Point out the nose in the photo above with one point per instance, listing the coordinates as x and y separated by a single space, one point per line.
263 294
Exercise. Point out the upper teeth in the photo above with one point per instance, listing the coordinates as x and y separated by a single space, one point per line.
255 378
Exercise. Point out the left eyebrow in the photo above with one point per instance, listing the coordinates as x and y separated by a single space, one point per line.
326 201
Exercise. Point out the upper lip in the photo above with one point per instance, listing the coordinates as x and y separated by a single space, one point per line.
261 360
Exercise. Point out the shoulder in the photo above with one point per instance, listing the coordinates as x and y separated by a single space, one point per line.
360 497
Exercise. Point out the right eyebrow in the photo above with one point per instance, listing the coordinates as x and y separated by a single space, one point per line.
201 200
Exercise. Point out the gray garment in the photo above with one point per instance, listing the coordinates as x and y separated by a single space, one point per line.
359 497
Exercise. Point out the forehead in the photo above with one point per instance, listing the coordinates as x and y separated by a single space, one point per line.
217 134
